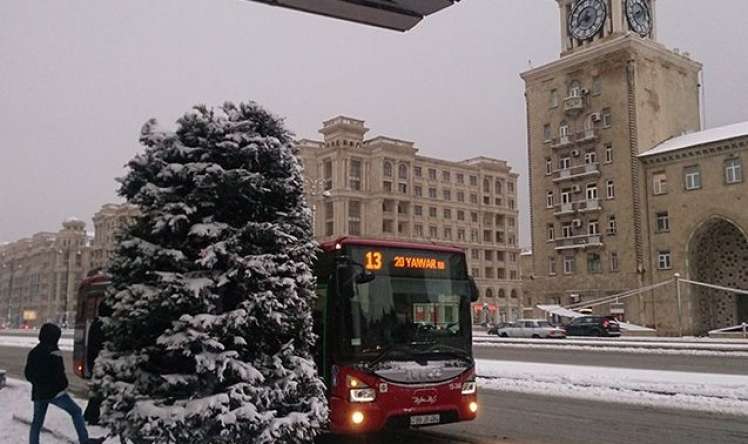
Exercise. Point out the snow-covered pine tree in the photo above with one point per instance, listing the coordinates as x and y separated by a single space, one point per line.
211 336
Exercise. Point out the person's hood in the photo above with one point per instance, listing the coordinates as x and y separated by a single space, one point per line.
50 334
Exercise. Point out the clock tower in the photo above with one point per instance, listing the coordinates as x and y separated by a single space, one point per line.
614 93
584 22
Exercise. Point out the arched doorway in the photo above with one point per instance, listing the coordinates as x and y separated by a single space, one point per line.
718 254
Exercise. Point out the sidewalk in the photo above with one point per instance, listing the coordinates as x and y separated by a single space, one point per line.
17 412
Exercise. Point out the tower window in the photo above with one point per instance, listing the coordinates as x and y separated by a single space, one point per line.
575 89
547 134
663 222
664 260
612 226
610 189
607 118
554 98
614 266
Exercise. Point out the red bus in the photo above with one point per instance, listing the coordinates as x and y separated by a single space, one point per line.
395 334
90 294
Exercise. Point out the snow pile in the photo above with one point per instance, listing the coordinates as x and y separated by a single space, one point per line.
17 412
693 391
65 344
211 336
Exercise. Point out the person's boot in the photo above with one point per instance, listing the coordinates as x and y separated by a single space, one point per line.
95 440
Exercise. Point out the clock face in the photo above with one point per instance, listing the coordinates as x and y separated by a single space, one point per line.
587 18
639 16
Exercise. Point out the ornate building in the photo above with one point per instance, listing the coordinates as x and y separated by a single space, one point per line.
108 222
39 276
596 119
382 188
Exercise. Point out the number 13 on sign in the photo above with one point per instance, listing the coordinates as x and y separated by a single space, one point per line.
373 261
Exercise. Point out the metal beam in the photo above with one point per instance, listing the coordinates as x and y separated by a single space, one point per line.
398 15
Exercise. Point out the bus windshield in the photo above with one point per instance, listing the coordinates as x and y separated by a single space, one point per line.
415 304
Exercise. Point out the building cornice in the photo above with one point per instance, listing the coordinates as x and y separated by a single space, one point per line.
696 151
595 53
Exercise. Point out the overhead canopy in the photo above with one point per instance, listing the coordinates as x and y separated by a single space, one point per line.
400 15
567 313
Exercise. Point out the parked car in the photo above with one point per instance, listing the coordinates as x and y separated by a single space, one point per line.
531 328
494 329
593 326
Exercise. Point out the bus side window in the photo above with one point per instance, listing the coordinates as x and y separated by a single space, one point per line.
323 271
318 315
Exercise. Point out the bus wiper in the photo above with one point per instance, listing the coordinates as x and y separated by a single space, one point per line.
402 349
449 350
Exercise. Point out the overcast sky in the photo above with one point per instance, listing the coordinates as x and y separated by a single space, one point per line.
79 78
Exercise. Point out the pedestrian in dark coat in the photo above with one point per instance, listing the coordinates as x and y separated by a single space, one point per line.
45 370
94 345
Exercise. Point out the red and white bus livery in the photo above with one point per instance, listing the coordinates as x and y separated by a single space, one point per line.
395 334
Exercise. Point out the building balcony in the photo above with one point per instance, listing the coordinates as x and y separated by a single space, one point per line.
573 105
577 172
581 206
579 242
589 206
582 137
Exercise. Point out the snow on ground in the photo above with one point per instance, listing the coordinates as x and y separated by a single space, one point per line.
15 400
66 344
712 346
692 391
481 335
655 349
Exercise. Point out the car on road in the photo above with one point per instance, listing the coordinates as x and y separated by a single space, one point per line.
600 326
494 329
531 328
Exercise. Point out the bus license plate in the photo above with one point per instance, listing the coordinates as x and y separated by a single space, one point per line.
420 420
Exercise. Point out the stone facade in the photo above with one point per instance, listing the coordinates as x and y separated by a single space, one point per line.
697 220
108 222
39 276
596 119
382 188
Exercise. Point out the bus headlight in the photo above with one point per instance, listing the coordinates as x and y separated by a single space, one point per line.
357 418
363 395
473 406
469 388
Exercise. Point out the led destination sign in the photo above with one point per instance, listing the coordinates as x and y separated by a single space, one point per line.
419 263
374 261
410 262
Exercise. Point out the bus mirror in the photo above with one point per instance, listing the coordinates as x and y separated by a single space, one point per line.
474 293
365 277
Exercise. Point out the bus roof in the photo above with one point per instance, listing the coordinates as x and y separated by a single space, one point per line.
357 241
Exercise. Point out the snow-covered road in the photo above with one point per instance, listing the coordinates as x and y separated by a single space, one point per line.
66 344
694 391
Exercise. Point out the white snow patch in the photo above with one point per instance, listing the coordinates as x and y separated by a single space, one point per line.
613 349
700 138
685 390
66 344
15 400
